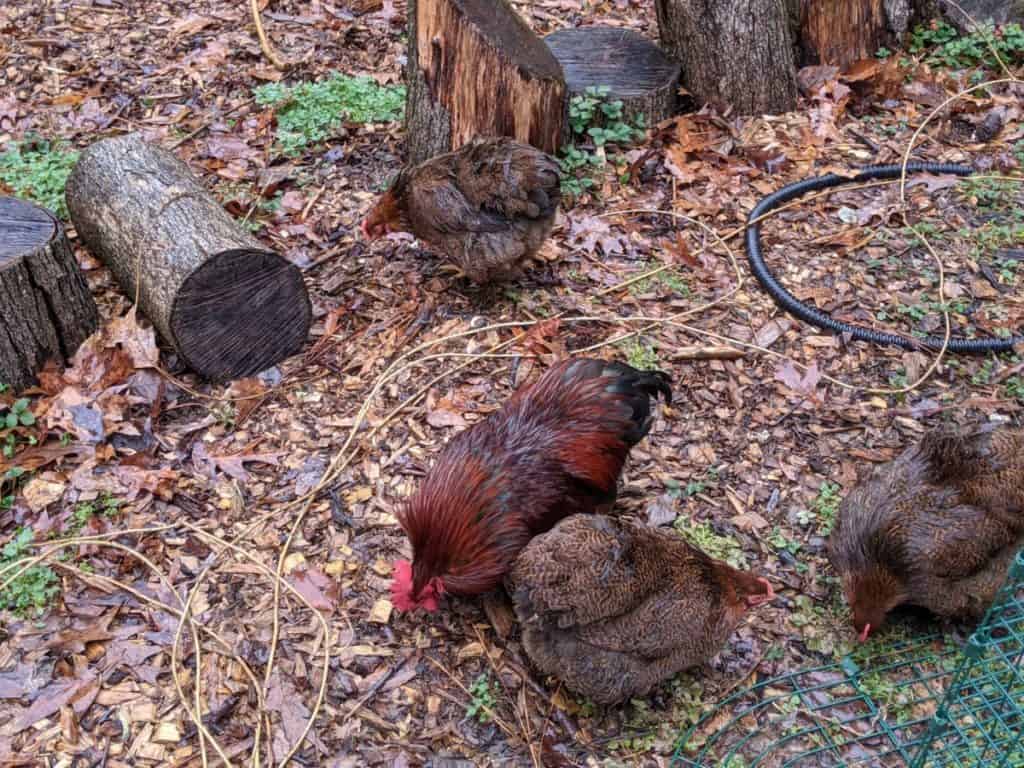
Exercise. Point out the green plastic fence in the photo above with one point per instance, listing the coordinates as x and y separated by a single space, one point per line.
920 704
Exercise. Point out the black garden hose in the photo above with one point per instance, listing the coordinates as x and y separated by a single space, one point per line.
794 306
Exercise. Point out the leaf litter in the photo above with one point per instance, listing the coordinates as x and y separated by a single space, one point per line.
743 452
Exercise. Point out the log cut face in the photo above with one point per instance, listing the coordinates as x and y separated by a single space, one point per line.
229 306
634 69
46 310
476 68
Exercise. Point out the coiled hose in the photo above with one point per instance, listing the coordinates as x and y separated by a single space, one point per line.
794 306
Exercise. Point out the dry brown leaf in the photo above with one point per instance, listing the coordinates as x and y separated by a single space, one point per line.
317 587
445 414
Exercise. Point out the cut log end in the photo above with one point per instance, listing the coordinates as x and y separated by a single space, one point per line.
26 228
239 313
634 69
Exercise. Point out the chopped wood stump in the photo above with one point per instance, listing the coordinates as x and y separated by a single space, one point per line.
634 69
228 305
475 68
46 310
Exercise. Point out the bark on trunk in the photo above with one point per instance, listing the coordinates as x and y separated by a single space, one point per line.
634 69
46 309
842 31
737 53
474 67
229 306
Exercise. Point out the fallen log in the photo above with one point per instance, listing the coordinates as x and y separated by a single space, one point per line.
229 306
46 309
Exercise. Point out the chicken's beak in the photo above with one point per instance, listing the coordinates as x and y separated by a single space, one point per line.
863 636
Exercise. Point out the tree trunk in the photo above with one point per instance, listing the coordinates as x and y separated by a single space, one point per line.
474 67
229 306
842 31
46 309
633 68
736 53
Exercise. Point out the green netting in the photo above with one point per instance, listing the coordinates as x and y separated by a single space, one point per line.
925 703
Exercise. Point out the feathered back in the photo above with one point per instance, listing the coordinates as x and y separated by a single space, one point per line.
606 410
555 448
985 465
508 177
934 526
612 607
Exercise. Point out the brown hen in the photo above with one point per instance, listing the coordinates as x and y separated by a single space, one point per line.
936 527
488 206
614 607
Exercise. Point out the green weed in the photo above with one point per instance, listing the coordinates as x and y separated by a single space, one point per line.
888 695
995 194
1015 387
105 506
595 122
484 697
943 45
37 170
983 375
668 278
824 628
703 536
308 113
825 506
9 482
33 590
657 729
13 416
695 485
641 356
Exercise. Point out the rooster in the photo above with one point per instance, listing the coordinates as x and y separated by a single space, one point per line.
555 448
488 206
937 527
613 607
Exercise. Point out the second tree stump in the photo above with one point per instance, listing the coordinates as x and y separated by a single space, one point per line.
634 69
228 305
46 309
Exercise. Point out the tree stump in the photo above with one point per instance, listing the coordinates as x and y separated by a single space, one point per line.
46 309
734 52
633 68
474 67
842 31
229 306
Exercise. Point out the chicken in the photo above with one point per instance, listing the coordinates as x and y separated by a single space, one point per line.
488 206
554 449
937 527
614 607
